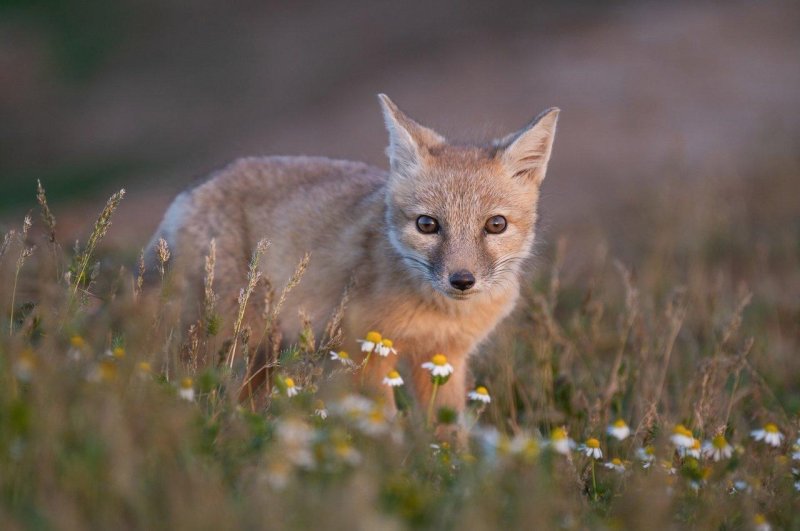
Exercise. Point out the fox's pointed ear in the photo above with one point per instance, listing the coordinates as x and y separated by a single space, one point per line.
527 152
408 140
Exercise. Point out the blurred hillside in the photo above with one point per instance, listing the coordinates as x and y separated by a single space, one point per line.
149 95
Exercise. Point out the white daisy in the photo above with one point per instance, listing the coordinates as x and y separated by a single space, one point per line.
480 394
796 450
353 406
560 441
24 366
103 371
619 430
291 388
523 445
393 379
592 448
374 423
691 451
769 434
116 352
386 347
760 523
372 340
667 465
319 409
741 486
717 448
296 438
439 367
187 389
615 464
77 348
277 474
347 453
682 437
343 358
646 455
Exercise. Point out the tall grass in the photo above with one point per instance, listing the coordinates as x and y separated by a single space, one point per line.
114 414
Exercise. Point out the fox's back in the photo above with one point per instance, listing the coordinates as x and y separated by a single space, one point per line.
299 204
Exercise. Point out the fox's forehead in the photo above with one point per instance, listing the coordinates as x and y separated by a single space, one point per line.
446 154
473 169
468 186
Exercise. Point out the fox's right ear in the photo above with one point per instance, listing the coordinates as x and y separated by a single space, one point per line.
408 140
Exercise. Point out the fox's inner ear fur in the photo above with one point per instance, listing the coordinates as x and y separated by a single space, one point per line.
527 152
408 140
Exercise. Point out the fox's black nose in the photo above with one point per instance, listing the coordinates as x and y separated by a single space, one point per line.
462 280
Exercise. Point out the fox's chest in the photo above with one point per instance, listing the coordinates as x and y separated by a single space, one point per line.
419 327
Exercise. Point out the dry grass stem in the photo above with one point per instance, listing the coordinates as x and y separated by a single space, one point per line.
47 216
253 276
99 230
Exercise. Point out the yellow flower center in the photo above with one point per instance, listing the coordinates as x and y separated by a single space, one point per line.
616 461
145 367
187 383
118 352
394 374
439 360
696 444
481 390
620 424
592 443
650 450
759 519
374 337
108 370
771 428
680 429
559 434
342 448
76 341
27 358
289 383
319 404
387 343
719 442
344 355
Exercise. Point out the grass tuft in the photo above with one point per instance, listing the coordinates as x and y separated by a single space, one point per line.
644 382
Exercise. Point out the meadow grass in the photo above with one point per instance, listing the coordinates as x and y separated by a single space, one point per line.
669 350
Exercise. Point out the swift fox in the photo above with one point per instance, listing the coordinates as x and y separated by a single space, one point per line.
431 249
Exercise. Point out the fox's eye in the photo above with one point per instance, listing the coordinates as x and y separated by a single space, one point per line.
427 225
496 224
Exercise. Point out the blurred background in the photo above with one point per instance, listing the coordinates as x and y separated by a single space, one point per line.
151 94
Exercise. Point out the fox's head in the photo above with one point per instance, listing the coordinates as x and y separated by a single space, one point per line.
463 217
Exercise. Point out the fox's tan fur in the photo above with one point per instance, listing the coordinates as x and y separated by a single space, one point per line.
359 222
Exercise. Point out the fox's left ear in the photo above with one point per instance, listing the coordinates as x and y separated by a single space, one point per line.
527 152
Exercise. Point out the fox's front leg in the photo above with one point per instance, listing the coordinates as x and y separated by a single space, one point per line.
452 394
